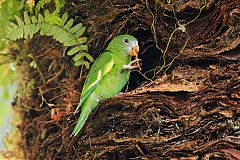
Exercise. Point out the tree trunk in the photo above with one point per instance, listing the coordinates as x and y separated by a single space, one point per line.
184 104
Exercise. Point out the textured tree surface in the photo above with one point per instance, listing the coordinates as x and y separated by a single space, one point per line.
184 104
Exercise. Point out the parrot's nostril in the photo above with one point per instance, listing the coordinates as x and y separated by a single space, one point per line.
135 48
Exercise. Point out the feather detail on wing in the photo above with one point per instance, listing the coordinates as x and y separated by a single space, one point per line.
89 89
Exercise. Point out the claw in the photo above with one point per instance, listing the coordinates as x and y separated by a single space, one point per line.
129 67
131 64
135 61
138 64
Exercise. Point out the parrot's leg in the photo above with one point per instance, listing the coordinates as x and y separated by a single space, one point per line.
131 64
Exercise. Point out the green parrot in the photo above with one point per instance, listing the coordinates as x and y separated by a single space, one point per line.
108 75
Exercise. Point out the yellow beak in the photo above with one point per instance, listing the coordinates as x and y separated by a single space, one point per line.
134 51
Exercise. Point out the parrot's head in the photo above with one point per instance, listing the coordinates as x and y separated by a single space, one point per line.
124 44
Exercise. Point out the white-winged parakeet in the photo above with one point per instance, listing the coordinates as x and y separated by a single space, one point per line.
108 75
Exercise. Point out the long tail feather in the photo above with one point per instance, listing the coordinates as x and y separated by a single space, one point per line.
83 99
81 121
87 107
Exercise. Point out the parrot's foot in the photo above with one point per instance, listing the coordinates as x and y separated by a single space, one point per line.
131 64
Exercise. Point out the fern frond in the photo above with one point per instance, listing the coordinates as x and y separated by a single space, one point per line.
19 21
73 50
82 40
79 56
69 24
90 58
26 18
40 17
66 33
41 4
34 19
46 13
80 32
64 18
81 62
76 28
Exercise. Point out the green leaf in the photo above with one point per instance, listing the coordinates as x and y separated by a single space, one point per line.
46 13
40 18
43 29
59 35
83 47
47 27
13 25
80 32
18 33
76 28
89 57
26 18
9 29
53 19
64 18
19 21
26 30
78 57
69 24
66 37
37 28
78 63
34 19
32 30
73 50
71 42
82 40
53 30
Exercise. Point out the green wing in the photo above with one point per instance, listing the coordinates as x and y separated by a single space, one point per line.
99 69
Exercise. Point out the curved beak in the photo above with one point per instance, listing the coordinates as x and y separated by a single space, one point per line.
134 51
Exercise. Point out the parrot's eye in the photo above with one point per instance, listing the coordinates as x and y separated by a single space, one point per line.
126 40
